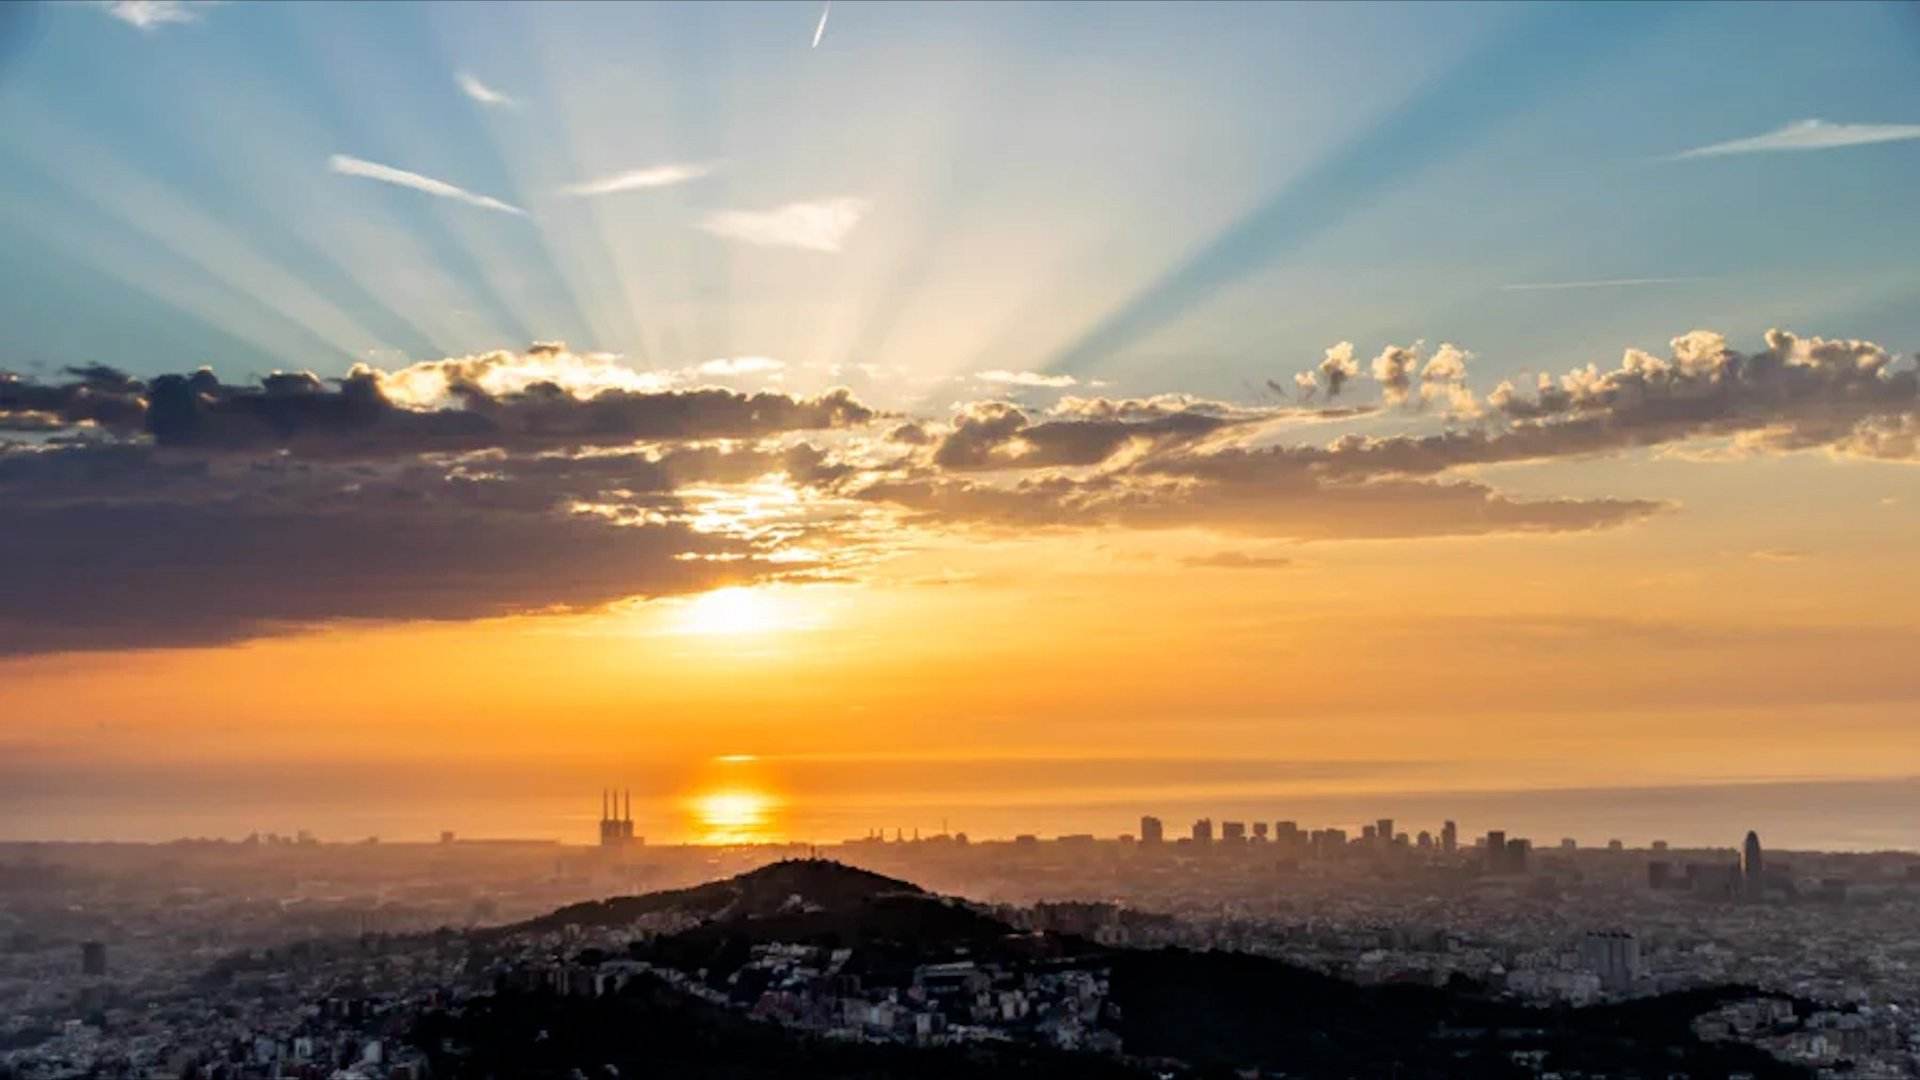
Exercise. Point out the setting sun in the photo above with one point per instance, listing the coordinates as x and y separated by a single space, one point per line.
733 816
730 611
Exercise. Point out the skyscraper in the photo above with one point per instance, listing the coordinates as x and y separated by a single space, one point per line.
1151 830
1449 837
1203 831
1496 851
1383 832
1752 866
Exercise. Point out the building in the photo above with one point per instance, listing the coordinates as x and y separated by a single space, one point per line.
1383 832
1614 955
1449 837
93 958
1233 832
1203 831
1496 851
1659 874
1752 866
1151 830
616 824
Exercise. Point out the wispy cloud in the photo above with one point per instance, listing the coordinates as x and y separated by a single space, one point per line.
482 93
1027 378
820 28
1603 283
151 15
812 226
1238 560
740 365
1807 135
636 179
387 174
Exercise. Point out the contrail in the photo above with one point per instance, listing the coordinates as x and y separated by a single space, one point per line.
1610 283
821 28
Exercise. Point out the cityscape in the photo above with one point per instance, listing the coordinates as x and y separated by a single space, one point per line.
896 540
283 956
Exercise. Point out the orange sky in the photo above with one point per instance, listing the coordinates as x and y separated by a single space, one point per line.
1710 643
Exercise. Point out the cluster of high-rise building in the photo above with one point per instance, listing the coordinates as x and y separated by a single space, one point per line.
1289 838
1497 852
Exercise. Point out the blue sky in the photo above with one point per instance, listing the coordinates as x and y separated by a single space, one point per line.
1167 197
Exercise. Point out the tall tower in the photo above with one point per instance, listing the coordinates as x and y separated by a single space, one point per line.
1752 865
1151 830
1449 837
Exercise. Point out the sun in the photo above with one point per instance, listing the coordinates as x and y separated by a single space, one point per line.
733 610
733 816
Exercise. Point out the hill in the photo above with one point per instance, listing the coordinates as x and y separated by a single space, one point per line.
782 888
865 942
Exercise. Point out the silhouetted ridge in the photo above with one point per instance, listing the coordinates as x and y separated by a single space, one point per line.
788 887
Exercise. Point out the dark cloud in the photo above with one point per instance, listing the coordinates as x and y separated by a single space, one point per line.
115 545
357 415
90 395
1277 506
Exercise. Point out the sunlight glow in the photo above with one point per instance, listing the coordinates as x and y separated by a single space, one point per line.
733 816
734 610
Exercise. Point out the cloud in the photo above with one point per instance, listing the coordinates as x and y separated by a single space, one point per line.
1797 393
731 366
151 15
1393 369
352 166
1604 283
1807 135
1084 432
183 551
811 226
544 397
482 93
1237 560
653 176
1027 378
1338 366
222 511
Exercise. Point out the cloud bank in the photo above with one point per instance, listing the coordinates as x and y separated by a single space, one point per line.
544 479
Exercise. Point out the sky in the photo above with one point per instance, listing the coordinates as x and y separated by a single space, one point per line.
1011 418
